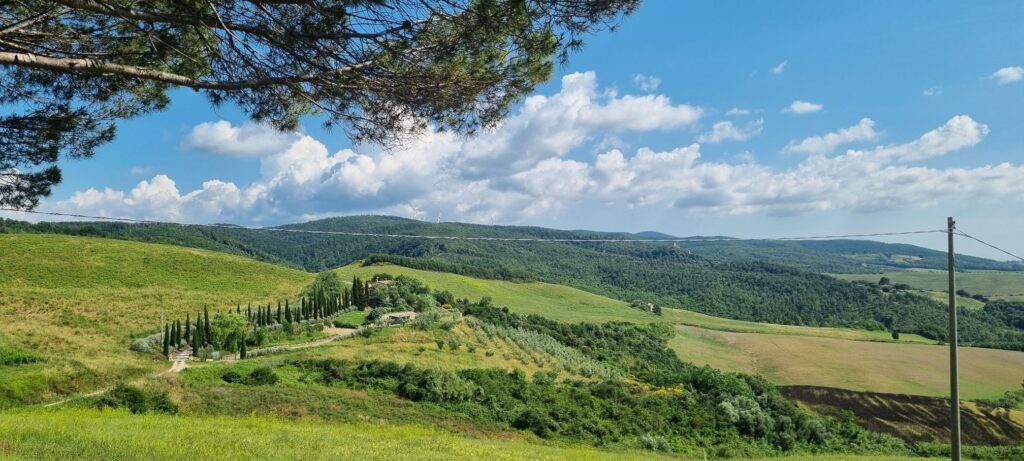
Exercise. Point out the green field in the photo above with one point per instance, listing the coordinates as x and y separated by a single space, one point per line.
556 302
857 365
696 319
992 284
78 301
567 304
108 436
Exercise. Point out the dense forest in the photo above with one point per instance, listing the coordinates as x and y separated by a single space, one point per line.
727 279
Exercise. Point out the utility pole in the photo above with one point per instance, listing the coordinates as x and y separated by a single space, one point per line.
954 379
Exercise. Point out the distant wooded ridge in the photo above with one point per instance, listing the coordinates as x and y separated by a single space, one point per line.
755 280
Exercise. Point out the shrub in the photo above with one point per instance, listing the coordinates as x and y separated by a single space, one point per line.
261 376
654 442
338 323
425 321
489 353
440 344
137 400
231 377
454 344
471 347
537 422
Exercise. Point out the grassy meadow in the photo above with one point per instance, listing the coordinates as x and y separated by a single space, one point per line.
77 302
556 302
857 365
566 304
992 284
112 436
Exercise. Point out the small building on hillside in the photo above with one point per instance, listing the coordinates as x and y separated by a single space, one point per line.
397 318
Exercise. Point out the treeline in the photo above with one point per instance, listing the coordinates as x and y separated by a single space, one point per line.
235 331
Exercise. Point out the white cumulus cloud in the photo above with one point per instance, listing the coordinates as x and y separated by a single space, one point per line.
728 131
864 130
1008 75
803 107
247 140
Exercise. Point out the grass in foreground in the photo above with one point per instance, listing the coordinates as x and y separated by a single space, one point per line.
858 365
93 435
108 436
77 301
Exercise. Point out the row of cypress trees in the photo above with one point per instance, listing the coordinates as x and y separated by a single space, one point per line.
318 305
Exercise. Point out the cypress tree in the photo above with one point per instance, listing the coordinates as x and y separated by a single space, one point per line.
188 328
287 313
167 340
238 308
278 313
248 312
241 348
175 334
207 332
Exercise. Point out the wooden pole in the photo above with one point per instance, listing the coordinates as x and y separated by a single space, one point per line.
954 380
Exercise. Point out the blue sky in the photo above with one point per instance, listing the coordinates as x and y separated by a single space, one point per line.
735 118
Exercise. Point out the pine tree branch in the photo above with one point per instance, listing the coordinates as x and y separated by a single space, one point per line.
92 66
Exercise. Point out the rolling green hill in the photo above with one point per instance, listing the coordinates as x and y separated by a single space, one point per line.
733 284
75 316
76 302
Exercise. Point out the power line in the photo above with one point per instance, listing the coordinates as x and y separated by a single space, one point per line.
976 239
498 239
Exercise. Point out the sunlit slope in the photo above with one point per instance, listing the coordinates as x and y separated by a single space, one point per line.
857 365
557 302
76 303
567 304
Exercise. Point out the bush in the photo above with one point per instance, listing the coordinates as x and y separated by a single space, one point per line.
425 321
655 443
537 422
454 344
338 323
137 400
261 376
232 377
440 344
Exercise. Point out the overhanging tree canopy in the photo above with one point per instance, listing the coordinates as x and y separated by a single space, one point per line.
378 68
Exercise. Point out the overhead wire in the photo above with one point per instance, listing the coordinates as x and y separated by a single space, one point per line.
976 239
